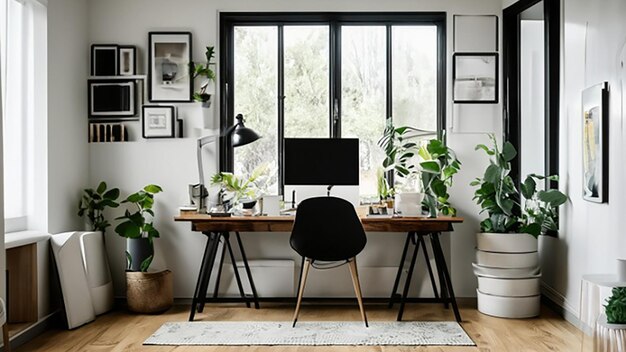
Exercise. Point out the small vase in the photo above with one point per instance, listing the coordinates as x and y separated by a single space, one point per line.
139 249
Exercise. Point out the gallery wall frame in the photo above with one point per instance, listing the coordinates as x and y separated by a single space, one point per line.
169 67
158 121
127 56
112 100
475 33
104 59
595 143
475 78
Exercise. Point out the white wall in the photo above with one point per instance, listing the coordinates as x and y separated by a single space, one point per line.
171 163
591 236
67 113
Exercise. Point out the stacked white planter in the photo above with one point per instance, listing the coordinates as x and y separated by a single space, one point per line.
507 268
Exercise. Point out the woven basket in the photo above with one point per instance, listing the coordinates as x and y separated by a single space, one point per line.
149 293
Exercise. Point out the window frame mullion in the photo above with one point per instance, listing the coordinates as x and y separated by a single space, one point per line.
334 66
281 107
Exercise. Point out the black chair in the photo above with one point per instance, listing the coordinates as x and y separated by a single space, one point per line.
327 229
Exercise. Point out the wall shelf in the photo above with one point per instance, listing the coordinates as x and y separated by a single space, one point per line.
133 77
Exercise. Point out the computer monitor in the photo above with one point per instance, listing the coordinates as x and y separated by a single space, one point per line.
321 161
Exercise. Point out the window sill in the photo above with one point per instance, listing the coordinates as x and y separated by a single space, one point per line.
22 238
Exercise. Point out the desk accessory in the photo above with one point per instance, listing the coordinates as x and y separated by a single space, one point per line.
238 135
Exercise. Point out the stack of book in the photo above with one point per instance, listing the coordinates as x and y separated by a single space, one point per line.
107 132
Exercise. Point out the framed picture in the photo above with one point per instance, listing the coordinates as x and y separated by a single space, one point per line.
595 101
169 61
475 78
104 60
158 121
475 33
127 60
112 99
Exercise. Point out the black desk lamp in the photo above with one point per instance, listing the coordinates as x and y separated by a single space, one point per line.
236 136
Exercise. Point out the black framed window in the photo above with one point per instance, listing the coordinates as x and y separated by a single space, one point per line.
329 75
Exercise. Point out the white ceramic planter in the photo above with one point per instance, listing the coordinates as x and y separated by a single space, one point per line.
609 337
510 287
506 242
507 260
508 307
519 273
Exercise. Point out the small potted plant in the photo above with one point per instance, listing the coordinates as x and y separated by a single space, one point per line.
235 190
208 75
507 261
93 203
146 292
610 331
431 162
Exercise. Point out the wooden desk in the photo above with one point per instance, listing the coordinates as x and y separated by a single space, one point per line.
217 228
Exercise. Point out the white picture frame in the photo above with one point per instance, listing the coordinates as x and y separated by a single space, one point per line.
158 121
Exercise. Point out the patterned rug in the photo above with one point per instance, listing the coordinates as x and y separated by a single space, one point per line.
310 333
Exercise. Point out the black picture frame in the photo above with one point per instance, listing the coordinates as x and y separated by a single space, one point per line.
477 84
158 121
127 56
104 59
112 99
170 51
595 120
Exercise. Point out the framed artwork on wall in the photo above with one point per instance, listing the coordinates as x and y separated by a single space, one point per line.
158 121
104 60
595 100
169 67
112 100
475 33
475 78
127 60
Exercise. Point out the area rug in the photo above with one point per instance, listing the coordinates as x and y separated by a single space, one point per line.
325 333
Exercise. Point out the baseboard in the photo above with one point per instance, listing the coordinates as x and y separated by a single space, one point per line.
558 303
38 328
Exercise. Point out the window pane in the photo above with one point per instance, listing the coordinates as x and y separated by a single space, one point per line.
306 81
414 84
255 95
363 91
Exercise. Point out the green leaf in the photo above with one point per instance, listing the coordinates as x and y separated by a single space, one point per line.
508 151
553 197
431 166
492 174
112 194
532 229
128 229
485 148
528 187
101 187
129 261
153 189
134 198
145 264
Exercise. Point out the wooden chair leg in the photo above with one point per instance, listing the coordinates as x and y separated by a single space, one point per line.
305 272
5 338
357 288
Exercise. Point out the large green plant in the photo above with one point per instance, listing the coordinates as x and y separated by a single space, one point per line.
93 203
615 307
436 164
500 199
204 70
135 224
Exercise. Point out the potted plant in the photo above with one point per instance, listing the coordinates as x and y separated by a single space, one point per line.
208 75
385 192
93 203
244 190
610 331
146 292
437 164
507 261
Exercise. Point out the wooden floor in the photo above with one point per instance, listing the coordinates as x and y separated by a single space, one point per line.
121 331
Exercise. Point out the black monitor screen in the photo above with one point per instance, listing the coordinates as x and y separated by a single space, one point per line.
321 161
